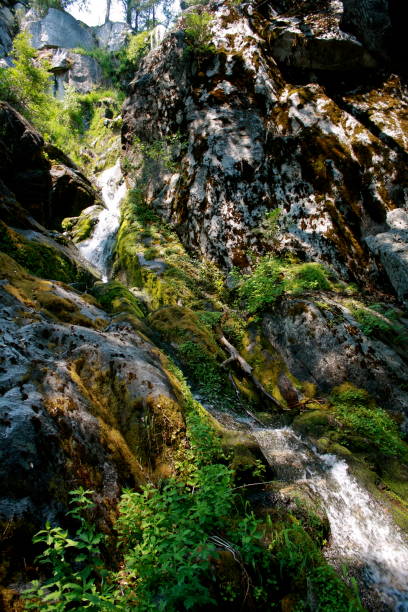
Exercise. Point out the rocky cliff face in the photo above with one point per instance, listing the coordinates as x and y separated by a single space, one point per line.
49 190
57 35
300 109
289 112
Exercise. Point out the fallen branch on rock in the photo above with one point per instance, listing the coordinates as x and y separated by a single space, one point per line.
247 369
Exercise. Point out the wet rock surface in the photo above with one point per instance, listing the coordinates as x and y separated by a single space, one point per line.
323 343
78 393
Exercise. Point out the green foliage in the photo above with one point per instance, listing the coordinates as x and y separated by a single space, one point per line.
301 562
42 6
157 156
330 593
78 574
203 368
198 33
272 277
165 534
359 415
118 67
264 286
208 318
234 328
137 47
269 227
70 124
380 322
27 83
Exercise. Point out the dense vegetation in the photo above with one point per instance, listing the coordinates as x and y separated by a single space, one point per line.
195 539
173 535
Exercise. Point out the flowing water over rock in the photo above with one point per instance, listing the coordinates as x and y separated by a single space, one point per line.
98 249
362 535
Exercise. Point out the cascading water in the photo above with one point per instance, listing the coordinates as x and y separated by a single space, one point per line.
98 249
362 535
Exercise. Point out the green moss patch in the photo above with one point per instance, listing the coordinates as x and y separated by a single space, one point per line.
116 298
41 260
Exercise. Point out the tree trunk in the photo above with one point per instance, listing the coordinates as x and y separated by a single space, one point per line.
108 10
129 13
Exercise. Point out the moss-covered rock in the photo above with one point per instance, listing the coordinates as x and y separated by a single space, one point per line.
312 423
116 298
81 404
44 257
179 324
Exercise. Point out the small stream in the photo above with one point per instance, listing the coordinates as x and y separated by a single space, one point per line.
98 249
363 536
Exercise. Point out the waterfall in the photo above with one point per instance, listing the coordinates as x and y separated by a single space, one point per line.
362 534
98 248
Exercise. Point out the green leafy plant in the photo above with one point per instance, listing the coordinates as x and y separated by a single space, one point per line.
359 414
380 322
269 226
208 318
79 576
198 33
203 368
272 277
26 84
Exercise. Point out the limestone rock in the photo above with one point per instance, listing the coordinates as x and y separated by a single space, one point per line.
392 249
58 29
84 400
322 343
7 26
255 137
112 35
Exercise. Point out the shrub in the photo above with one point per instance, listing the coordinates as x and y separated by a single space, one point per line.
27 83
198 33
203 368
381 323
78 573
137 47
264 285
359 415
272 277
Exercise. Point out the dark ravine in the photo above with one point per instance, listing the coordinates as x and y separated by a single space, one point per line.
300 107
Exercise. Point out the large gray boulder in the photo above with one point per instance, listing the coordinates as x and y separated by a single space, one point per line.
58 29
321 342
392 249
82 72
112 35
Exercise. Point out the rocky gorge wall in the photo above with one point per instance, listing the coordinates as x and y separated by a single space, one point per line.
289 112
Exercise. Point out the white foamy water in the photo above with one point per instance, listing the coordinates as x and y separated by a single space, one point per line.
362 532
98 248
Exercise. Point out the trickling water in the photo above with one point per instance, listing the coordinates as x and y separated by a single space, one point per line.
98 248
362 533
